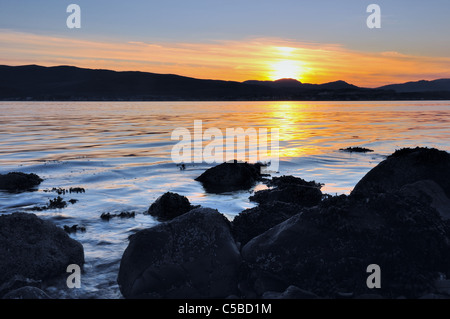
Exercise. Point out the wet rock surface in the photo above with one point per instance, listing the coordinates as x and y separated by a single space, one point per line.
291 292
300 244
407 166
255 221
429 193
326 249
16 282
26 293
109 216
169 206
228 177
74 229
35 249
356 149
191 256
19 182
289 189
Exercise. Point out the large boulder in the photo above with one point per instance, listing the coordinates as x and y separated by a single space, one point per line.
287 198
191 256
228 177
17 182
35 248
26 293
407 166
290 189
430 193
255 221
169 206
326 249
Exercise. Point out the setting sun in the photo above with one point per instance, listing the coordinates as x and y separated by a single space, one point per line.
286 69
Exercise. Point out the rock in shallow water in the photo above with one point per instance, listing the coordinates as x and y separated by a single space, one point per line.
169 206
289 189
26 293
191 256
35 248
255 221
18 182
356 149
407 166
430 193
327 249
228 177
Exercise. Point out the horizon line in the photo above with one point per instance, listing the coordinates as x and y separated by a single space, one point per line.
212 79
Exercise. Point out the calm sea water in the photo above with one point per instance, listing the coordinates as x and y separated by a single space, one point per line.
120 152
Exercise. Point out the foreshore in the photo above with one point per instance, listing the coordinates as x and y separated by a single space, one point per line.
297 243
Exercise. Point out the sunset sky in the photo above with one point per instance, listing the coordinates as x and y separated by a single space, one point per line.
312 41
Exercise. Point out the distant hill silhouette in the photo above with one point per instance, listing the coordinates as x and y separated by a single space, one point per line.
291 83
420 86
62 83
67 82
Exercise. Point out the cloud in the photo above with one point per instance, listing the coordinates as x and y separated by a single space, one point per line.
226 60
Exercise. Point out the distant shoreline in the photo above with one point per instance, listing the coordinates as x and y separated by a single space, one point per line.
68 83
223 100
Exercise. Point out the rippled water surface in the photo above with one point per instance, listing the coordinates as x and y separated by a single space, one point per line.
120 152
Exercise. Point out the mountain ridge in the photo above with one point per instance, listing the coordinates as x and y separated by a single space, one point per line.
420 86
64 82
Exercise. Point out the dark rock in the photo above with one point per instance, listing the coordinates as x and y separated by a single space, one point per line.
344 295
191 256
73 201
407 166
77 190
26 293
56 203
288 180
442 286
73 229
292 190
126 215
35 248
255 221
228 177
326 249
356 150
59 190
63 191
17 282
430 193
292 292
108 216
19 182
169 206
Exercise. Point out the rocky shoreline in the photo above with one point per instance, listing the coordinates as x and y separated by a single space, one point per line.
298 243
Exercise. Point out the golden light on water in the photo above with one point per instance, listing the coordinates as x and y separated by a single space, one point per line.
289 118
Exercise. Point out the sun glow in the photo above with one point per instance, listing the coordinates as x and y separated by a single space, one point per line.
240 60
286 69
286 51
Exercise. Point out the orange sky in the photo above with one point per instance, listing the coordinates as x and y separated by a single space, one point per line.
248 59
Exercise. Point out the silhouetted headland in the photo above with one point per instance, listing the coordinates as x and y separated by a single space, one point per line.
68 83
